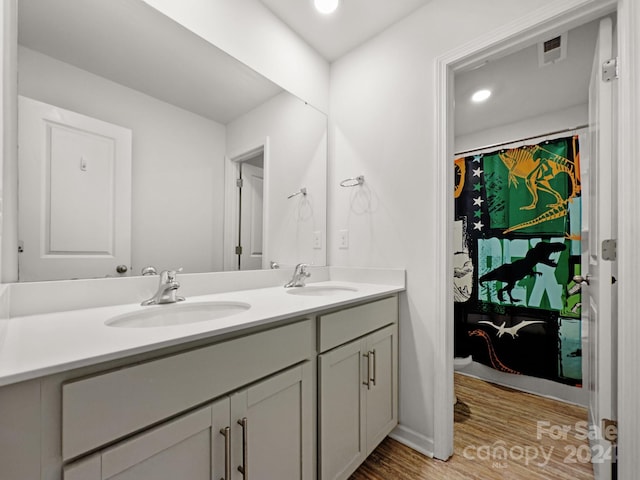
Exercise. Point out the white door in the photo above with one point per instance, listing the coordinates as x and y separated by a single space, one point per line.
74 194
599 226
251 216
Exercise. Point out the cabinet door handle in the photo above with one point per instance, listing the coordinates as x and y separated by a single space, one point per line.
245 450
372 359
226 432
367 382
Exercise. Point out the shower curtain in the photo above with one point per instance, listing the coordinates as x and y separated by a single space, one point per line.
517 248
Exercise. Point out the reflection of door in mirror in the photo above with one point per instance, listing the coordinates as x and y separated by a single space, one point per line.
251 213
75 194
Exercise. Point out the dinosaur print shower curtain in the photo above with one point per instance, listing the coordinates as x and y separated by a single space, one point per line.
517 248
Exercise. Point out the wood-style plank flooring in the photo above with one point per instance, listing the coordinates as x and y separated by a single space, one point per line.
488 417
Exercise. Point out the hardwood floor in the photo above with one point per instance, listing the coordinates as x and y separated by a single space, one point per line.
489 421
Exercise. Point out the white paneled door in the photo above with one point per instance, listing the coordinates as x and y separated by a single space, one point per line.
598 257
74 194
251 214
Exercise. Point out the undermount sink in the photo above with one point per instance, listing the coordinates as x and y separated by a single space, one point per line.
177 314
320 290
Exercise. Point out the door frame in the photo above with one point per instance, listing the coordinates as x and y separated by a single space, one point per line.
555 18
232 207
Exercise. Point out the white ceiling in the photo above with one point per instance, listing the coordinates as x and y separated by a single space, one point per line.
353 23
522 89
134 45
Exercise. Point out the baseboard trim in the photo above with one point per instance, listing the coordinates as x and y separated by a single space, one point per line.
414 440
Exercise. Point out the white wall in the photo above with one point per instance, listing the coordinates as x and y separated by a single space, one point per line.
382 113
248 31
178 163
297 158
527 127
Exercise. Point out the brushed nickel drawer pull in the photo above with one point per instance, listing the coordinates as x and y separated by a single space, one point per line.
372 359
243 469
226 432
367 382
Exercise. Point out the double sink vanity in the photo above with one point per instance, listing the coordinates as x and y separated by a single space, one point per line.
100 378
254 381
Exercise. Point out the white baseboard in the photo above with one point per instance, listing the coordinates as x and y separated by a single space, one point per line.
414 440
536 386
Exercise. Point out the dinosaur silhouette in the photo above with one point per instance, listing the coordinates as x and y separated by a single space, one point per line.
513 331
512 273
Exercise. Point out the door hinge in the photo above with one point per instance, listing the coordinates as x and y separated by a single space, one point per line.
610 430
239 250
610 70
20 246
609 250
239 183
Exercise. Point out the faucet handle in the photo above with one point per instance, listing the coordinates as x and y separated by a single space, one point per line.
170 275
303 270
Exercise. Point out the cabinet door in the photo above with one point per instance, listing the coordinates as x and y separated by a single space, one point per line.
340 407
382 395
182 448
273 427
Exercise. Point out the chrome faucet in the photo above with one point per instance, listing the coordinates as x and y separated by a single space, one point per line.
166 290
300 274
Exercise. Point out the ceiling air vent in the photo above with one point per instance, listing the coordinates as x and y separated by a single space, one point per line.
552 50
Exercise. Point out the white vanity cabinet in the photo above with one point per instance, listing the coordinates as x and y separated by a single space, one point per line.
259 386
357 385
300 398
263 431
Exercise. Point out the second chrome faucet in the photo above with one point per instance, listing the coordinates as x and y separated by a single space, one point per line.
300 274
167 289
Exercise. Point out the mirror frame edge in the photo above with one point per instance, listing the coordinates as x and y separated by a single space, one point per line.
9 125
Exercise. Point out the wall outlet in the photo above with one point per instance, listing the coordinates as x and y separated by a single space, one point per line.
343 239
317 240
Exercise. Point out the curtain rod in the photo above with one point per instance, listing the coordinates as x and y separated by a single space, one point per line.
494 145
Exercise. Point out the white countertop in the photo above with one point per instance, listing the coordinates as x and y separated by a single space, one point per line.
37 345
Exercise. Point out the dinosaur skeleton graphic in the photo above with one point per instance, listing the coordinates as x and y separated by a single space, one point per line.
513 331
537 174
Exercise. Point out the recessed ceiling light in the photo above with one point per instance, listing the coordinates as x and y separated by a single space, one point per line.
326 6
480 95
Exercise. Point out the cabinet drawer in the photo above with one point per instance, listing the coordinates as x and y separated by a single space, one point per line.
100 409
343 326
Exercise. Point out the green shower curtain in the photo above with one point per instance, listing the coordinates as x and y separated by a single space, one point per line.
517 248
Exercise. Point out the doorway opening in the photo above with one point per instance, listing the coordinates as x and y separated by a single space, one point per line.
245 209
543 26
518 314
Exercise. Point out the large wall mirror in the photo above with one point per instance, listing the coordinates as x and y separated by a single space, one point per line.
141 144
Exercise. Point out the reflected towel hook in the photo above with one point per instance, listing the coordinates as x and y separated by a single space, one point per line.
302 191
352 182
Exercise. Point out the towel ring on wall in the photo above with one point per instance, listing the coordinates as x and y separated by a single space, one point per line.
352 182
302 191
